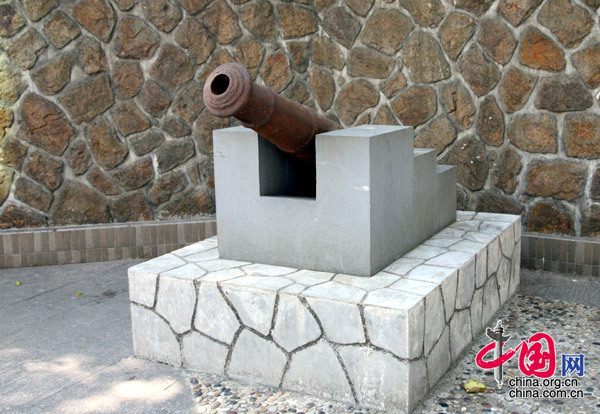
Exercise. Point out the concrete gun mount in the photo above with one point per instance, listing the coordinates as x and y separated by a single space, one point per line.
374 197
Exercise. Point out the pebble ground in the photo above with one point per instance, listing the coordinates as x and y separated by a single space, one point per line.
574 328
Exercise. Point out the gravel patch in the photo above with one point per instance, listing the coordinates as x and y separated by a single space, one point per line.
575 329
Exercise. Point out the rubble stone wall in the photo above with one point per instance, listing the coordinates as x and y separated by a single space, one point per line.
101 114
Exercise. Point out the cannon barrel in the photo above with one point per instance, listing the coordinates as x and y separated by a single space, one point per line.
292 127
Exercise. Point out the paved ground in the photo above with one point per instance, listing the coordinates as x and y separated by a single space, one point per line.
61 352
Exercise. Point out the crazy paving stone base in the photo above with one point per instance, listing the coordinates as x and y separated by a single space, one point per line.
379 342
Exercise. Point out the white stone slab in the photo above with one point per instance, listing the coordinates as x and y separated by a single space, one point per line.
267 270
491 300
254 307
493 256
189 272
442 242
256 359
439 359
393 299
402 266
466 284
142 277
375 377
398 331
425 252
508 218
494 227
223 275
220 264
214 317
480 268
153 338
460 332
435 321
335 291
468 246
377 281
272 283
454 260
175 302
294 289
449 233
471 225
194 248
204 255
484 238
317 371
202 354
294 326
341 321
309 277
476 309
418 287
503 278
507 243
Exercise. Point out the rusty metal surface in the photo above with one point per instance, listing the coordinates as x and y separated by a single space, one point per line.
292 127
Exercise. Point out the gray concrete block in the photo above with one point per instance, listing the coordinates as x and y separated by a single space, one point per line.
369 206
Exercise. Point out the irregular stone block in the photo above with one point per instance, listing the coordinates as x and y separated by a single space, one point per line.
44 125
294 325
142 279
97 16
340 321
259 18
257 359
175 301
570 23
305 373
214 317
152 337
60 30
460 332
255 308
340 25
439 359
404 311
221 21
424 58
466 284
88 99
538 51
559 179
200 353
476 310
563 93
373 375
455 32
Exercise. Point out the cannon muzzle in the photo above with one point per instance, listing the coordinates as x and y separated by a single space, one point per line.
292 127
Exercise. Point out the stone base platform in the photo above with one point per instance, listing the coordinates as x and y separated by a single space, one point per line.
380 342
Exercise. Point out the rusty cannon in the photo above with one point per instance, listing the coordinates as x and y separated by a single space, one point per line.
290 126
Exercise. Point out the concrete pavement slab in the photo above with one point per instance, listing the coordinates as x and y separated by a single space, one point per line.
61 352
